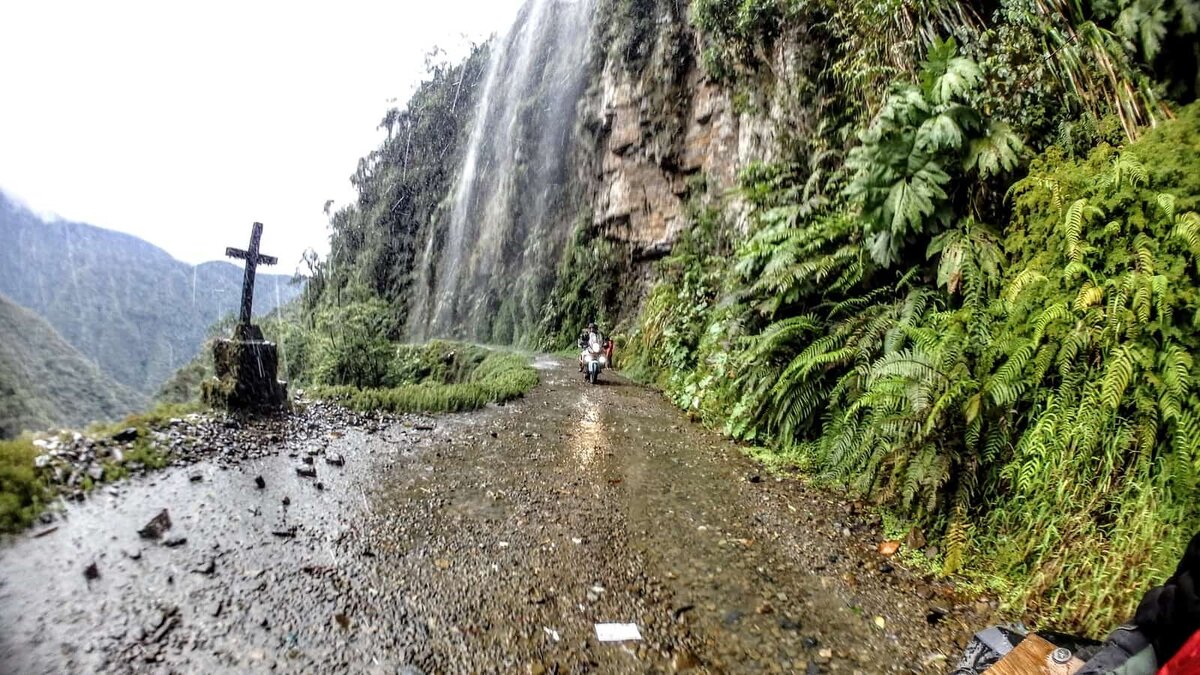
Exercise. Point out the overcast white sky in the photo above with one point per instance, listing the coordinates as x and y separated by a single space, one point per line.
184 123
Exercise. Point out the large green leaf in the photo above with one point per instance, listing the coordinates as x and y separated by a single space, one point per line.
939 132
997 151
1144 22
961 76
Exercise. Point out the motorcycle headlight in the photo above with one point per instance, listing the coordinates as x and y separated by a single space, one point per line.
604 360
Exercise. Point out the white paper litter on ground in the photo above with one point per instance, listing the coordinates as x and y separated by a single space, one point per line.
617 632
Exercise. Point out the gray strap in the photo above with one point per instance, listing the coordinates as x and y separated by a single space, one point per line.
995 639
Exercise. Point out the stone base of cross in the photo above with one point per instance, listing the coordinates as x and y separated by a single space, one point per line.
247 373
246 365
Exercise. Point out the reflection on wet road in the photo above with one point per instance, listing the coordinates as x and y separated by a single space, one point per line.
588 439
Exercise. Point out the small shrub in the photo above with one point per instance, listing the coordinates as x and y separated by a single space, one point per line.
148 455
22 492
352 346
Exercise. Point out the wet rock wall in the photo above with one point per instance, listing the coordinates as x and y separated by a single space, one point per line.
658 131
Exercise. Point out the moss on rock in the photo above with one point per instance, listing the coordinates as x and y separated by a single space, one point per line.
246 373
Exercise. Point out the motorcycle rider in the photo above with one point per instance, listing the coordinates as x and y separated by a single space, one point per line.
587 337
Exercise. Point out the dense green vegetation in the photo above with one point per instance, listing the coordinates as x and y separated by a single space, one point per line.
966 288
351 360
440 377
401 188
980 310
44 382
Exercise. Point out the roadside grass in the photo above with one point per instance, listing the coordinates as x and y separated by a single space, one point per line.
25 490
23 493
497 378
156 417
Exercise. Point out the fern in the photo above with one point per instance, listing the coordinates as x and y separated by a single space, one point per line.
1118 374
1073 223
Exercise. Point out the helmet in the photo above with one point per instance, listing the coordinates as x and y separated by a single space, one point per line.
592 326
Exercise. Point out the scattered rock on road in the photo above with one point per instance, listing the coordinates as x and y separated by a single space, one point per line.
157 526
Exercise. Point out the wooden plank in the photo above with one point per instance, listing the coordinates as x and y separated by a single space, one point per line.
1032 657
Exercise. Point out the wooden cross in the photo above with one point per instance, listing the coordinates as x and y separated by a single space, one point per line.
253 259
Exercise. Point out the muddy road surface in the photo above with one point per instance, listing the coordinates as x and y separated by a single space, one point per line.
491 541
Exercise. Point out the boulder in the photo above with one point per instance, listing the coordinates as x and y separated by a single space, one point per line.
127 435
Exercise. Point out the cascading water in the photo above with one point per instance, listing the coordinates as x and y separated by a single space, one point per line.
508 219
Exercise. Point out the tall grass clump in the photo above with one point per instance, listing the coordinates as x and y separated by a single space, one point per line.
440 377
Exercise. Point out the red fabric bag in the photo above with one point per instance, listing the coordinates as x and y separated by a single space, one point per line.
1187 660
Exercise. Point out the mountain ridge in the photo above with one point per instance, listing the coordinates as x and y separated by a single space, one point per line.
122 302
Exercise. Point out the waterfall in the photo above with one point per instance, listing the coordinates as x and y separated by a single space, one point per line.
508 218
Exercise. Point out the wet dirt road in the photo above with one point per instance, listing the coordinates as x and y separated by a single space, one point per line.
483 542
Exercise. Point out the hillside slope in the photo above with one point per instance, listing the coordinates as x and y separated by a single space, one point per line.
122 302
45 382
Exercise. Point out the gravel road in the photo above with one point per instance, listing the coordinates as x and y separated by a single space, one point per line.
491 541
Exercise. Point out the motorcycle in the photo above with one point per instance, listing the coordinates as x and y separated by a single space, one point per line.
594 360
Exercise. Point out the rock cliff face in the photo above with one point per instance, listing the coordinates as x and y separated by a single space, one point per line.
659 123
657 126
598 137
661 132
